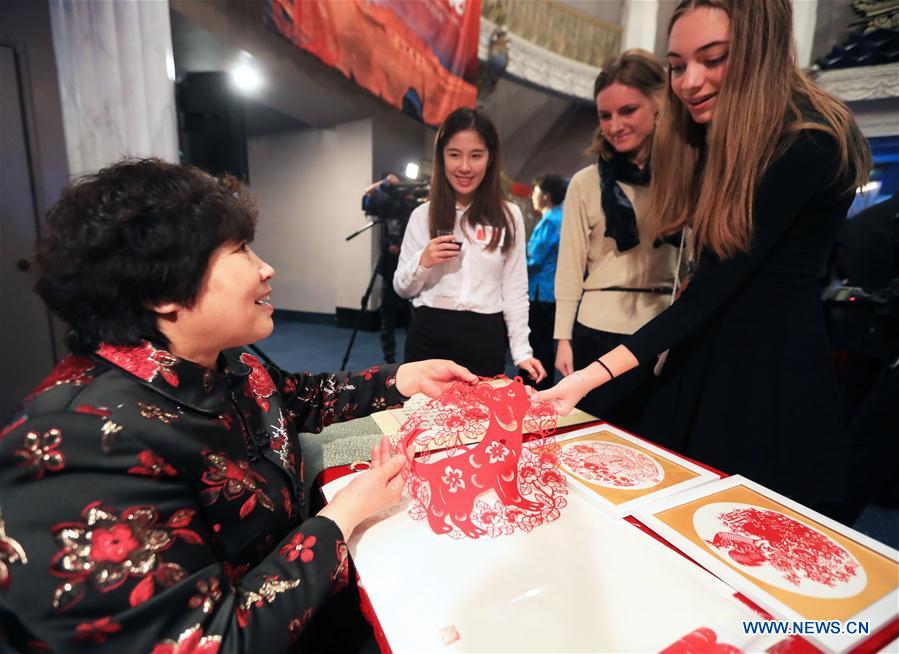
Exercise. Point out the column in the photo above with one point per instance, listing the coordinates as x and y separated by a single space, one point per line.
805 13
639 19
116 81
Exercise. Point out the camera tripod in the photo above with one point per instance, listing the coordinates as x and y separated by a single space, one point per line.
366 295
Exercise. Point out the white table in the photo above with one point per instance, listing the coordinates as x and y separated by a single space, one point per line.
585 582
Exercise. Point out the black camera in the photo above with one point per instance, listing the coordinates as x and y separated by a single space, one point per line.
863 322
392 204
884 302
388 200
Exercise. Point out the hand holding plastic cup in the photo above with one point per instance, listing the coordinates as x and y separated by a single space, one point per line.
449 232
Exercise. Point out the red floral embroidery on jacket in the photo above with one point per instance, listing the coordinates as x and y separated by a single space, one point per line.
209 594
260 382
235 572
331 414
108 548
285 498
192 641
296 625
98 631
39 453
268 592
233 480
300 546
226 420
371 372
143 361
152 465
88 409
71 370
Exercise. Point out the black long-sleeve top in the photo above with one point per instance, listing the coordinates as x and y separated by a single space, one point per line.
794 216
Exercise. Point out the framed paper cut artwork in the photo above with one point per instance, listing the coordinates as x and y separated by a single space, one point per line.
794 562
620 473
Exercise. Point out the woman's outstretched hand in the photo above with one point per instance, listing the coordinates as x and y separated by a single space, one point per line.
431 377
371 492
573 387
566 394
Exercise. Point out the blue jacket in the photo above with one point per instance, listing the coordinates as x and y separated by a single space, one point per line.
543 251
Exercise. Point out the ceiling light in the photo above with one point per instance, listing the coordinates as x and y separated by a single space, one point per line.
246 77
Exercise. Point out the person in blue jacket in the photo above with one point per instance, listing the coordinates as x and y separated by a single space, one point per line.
543 251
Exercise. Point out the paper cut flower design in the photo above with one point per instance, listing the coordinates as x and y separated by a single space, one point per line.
453 479
453 423
491 486
611 465
494 518
497 451
701 641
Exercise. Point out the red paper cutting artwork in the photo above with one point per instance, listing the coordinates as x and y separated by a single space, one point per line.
611 465
780 550
495 485
701 641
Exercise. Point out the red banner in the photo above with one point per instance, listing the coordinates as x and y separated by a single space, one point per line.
418 55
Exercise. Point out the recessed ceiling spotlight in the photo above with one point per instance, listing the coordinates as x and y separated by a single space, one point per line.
246 76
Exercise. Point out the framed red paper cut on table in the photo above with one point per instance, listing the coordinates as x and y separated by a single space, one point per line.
621 473
794 562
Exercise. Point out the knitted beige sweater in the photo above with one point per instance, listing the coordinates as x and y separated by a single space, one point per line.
584 248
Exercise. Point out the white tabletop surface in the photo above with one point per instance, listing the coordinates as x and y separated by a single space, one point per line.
585 582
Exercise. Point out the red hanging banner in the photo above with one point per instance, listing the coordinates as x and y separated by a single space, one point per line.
420 56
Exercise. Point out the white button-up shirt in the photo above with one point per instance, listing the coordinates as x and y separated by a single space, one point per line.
478 280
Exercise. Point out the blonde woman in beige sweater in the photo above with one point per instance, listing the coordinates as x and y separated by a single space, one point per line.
611 279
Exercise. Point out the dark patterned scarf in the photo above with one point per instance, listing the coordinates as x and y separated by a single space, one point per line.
621 223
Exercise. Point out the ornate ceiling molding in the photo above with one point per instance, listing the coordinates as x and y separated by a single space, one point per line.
541 67
867 83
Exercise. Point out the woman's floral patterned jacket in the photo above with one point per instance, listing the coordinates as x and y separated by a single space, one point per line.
148 504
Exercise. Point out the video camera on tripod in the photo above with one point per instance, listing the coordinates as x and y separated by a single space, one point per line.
391 204
388 199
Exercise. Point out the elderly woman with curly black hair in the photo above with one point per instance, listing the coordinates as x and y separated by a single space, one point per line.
151 486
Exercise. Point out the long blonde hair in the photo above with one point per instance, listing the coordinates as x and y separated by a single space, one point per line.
636 68
710 174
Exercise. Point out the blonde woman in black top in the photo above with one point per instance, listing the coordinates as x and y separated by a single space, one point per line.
762 165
